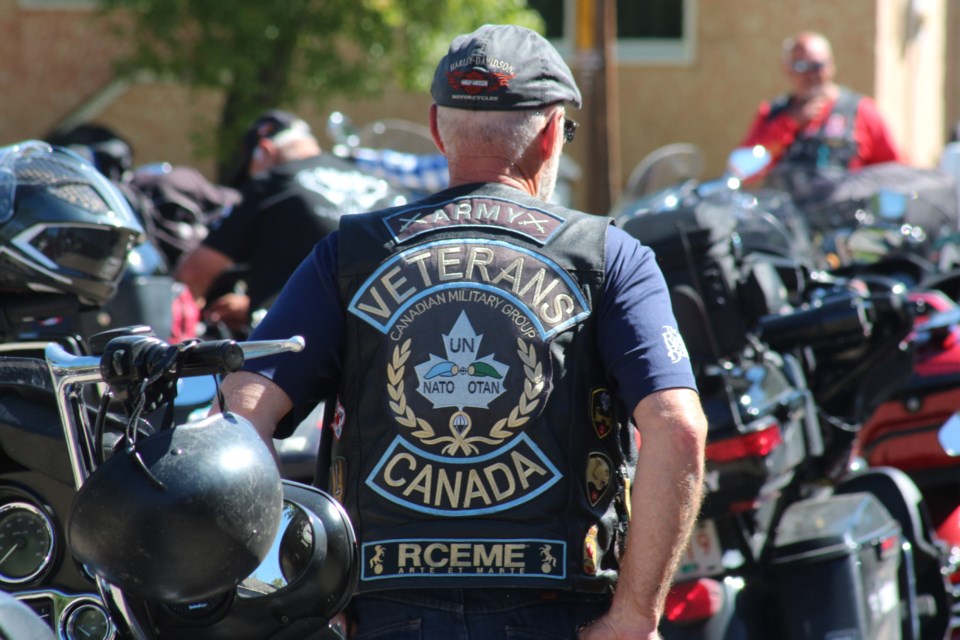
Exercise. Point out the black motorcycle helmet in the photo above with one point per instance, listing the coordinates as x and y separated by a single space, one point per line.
64 228
194 519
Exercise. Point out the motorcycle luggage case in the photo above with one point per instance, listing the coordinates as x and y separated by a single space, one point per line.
835 564
694 250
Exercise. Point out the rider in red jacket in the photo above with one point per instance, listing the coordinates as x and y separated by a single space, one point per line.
820 123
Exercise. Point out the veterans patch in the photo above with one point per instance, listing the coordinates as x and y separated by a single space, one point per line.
467 326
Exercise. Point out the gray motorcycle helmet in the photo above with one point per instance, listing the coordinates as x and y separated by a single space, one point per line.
198 523
64 228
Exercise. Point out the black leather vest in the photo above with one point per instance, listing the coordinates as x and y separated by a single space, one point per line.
478 443
833 145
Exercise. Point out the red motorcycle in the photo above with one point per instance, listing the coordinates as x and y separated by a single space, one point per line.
902 431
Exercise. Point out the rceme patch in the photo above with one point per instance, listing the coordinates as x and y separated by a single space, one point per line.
437 558
467 326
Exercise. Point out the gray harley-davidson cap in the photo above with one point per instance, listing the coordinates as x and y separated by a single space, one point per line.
502 68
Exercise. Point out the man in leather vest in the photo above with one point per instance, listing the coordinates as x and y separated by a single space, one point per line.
486 350
819 124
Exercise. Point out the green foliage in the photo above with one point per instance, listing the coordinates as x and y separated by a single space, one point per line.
269 53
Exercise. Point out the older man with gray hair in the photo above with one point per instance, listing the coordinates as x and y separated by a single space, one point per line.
494 360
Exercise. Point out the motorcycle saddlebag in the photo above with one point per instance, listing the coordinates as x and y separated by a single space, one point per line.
835 563
694 249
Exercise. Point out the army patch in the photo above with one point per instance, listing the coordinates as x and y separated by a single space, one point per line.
599 471
491 213
457 558
601 412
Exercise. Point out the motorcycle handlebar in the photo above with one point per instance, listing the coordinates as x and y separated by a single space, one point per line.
840 320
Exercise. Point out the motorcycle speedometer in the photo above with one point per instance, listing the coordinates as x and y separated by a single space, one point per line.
26 542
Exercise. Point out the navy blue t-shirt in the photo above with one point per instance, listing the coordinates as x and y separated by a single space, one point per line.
637 335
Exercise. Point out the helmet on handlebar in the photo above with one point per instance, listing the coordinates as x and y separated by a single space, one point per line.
64 228
191 521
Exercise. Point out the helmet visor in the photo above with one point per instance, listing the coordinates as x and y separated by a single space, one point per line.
98 252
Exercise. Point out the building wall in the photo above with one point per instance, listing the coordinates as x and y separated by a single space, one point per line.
56 64
910 74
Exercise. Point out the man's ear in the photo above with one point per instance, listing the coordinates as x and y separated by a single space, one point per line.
435 130
551 136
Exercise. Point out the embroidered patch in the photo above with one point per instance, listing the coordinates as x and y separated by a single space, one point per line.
591 552
339 418
598 476
492 213
467 326
477 81
459 487
457 558
601 412
338 478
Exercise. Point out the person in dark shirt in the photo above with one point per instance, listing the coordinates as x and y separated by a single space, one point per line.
293 197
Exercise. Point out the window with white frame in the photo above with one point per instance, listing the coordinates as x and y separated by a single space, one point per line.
655 31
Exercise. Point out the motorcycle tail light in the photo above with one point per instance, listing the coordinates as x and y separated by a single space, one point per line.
754 444
694 601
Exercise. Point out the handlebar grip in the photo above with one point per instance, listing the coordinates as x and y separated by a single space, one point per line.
212 357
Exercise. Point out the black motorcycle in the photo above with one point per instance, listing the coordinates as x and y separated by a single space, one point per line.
115 527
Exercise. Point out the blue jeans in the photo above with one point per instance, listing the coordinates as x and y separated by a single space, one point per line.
474 614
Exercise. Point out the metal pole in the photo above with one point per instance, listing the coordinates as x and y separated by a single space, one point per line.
596 55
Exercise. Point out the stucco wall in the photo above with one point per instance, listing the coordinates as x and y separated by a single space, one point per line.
911 73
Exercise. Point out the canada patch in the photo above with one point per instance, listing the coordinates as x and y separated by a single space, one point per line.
467 327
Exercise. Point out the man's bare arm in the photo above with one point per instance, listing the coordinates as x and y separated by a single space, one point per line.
257 399
667 492
200 268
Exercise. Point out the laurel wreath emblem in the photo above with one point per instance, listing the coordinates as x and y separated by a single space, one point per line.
460 440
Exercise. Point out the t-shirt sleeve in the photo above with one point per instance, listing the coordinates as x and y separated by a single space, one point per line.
873 137
309 306
638 338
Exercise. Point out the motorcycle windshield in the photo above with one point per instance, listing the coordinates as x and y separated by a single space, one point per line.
767 222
